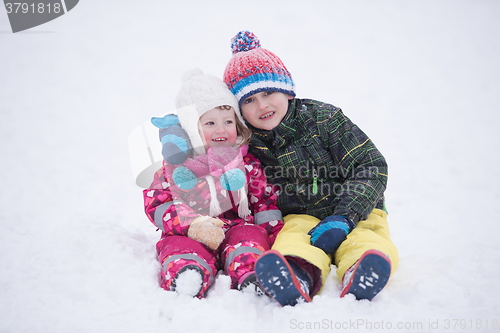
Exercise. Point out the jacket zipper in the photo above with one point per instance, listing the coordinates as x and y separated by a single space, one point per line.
315 178
315 182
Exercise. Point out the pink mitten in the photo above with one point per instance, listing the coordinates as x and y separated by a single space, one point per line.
207 230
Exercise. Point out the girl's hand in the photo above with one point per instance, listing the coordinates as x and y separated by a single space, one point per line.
207 230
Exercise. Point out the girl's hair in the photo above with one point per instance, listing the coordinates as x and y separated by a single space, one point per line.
244 133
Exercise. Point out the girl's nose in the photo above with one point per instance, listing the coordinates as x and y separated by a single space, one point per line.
219 129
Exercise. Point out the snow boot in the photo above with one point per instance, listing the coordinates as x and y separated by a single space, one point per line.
248 284
282 280
368 276
188 281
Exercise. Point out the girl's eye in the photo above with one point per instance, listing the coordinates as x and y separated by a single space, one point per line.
248 101
209 123
229 121
269 93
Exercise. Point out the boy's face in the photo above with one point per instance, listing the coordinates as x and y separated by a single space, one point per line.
266 109
218 127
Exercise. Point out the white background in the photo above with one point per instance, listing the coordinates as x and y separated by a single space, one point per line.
421 78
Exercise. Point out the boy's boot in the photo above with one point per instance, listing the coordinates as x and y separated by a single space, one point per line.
281 279
366 278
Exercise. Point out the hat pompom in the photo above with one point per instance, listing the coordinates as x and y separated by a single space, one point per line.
244 41
188 75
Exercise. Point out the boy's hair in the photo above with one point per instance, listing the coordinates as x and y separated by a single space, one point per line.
244 133
253 69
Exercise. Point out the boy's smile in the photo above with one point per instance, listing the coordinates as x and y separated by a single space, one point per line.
266 109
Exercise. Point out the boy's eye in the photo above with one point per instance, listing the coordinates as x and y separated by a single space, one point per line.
267 93
209 123
229 121
248 101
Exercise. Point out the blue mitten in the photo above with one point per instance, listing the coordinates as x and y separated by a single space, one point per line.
176 144
330 232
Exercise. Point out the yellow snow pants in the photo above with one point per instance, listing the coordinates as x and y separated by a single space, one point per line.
370 234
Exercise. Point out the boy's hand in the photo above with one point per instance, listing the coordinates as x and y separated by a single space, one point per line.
330 232
207 230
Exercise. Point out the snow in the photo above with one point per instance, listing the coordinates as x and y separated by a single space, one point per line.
188 282
421 78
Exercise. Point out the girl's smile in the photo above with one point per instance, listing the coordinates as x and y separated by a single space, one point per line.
218 127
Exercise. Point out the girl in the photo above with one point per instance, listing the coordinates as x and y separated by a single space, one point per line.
210 199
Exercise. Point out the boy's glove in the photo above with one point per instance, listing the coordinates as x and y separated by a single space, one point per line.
330 232
207 230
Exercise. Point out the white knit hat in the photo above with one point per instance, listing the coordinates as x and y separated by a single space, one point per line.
205 92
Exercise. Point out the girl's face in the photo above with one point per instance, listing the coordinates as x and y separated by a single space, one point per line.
266 109
218 127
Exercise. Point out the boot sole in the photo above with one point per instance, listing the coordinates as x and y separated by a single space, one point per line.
278 280
369 277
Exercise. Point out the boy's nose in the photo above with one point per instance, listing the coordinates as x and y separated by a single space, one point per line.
262 104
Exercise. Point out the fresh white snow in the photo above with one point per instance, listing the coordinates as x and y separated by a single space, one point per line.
421 78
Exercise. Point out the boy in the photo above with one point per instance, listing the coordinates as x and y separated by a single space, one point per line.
331 178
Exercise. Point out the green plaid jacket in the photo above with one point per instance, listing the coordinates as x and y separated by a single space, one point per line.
321 163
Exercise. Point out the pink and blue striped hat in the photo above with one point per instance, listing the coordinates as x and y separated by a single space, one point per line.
253 69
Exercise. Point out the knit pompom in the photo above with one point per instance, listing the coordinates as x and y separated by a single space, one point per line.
184 178
188 75
244 41
233 180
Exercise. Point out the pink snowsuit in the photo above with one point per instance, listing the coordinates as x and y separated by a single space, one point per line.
172 208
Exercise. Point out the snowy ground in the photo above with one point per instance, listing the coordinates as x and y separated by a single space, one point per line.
422 78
